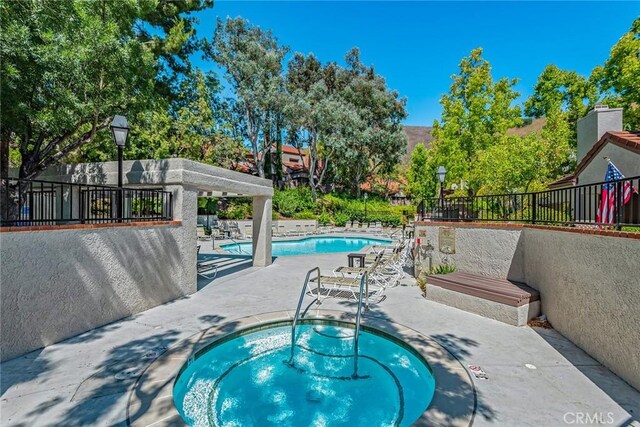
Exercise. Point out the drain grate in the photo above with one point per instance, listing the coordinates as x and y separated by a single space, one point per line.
154 353
128 374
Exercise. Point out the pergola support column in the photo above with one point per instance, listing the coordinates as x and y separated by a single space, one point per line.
261 231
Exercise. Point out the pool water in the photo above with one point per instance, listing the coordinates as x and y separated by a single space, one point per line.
247 381
310 245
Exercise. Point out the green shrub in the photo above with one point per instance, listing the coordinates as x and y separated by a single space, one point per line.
290 201
324 218
304 215
275 215
443 269
340 219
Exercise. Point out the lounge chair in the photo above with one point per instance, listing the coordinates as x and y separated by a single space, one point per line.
247 233
350 285
385 270
200 234
377 227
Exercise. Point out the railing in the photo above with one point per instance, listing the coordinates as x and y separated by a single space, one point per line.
297 315
363 282
577 205
38 202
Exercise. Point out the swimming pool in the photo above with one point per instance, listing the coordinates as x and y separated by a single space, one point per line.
309 245
249 379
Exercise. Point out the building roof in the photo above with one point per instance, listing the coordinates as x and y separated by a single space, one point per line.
290 149
565 181
293 165
628 140
393 187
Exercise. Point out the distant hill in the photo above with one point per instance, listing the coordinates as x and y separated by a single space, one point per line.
534 127
416 135
422 134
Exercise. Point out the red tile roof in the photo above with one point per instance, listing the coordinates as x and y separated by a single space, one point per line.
293 165
290 149
394 187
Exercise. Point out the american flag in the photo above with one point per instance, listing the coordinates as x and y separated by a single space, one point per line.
606 210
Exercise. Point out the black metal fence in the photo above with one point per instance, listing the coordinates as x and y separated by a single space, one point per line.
37 202
577 205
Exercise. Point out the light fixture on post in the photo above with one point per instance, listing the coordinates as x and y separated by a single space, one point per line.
442 172
120 131
365 206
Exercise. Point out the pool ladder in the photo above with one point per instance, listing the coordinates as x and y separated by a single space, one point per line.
356 336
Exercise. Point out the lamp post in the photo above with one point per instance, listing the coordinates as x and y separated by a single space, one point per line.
442 172
365 206
120 131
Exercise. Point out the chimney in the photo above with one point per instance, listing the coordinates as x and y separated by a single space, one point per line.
596 123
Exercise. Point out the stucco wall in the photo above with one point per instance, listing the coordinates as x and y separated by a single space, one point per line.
590 291
56 284
589 284
625 160
487 251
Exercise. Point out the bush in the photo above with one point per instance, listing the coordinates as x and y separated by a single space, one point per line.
290 201
340 219
236 208
443 269
304 215
324 218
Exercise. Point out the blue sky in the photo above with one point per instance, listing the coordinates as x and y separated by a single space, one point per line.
417 45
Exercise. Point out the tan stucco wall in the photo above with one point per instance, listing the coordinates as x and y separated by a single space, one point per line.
486 251
625 160
589 284
590 291
57 284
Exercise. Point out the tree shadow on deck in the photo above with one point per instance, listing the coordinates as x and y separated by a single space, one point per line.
615 387
456 400
216 266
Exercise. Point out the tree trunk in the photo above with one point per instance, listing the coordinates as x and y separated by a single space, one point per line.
279 149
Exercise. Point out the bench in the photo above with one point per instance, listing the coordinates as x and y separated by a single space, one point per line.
504 300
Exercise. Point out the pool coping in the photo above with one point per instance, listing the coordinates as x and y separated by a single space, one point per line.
150 401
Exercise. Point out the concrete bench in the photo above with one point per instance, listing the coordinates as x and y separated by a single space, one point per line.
499 299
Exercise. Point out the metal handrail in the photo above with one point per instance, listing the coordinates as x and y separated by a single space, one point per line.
302 294
239 247
363 281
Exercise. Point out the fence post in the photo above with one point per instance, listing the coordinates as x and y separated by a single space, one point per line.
534 205
620 202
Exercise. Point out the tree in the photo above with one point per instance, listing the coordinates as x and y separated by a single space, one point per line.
476 114
252 59
67 67
619 78
562 93
420 186
370 138
313 114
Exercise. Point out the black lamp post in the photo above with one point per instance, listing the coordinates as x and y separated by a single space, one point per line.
365 206
442 172
120 131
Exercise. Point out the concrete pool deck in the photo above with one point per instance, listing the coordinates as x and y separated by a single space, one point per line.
88 379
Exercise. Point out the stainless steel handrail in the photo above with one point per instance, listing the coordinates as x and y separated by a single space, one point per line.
302 294
363 282
239 247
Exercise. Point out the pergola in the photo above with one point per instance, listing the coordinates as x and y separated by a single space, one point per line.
187 180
